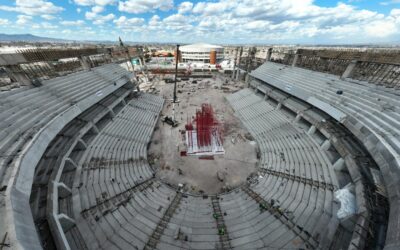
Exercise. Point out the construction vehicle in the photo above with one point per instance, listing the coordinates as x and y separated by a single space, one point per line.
170 121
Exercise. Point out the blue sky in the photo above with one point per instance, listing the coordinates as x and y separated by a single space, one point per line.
216 21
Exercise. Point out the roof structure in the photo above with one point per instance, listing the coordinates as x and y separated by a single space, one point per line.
199 47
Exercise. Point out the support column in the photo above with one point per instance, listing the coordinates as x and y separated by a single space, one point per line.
279 106
269 54
69 164
312 130
234 63
84 62
238 63
339 165
247 80
266 97
326 145
349 70
297 119
18 75
111 112
95 128
81 145
296 58
66 222
63 190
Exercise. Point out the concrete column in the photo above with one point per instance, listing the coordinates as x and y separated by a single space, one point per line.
238 63
66 222
296 58
312 130
279 106
234 63
350 186
269 54
85 63
95 128
81 145
247 80
63 190
111 112
266 96
326 145
18 75
69 164
297 119
349 70
339 165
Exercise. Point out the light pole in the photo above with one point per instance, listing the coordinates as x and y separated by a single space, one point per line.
176 71
175 99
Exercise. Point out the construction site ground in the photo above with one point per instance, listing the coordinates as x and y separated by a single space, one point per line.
201 176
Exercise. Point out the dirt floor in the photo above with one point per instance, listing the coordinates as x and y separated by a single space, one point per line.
202 176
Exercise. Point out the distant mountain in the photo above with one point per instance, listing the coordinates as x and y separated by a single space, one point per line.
28 38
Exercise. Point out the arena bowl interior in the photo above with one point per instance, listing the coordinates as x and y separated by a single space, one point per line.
298 152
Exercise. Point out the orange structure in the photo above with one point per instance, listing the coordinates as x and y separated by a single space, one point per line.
213 57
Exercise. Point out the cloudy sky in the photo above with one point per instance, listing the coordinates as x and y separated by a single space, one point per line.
216 21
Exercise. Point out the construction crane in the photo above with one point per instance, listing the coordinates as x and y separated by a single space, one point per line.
171 120
128 56
130 59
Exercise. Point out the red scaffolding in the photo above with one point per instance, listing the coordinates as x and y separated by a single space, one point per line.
207 131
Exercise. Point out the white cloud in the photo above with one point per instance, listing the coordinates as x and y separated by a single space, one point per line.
382 28
94 2
47 25
33 7
23 19
67 31
126 23
47 17
98 9
143 6
154 20
185 7
293 20
73 23
176 19
395 12
4 21
209 8
219 21
99 19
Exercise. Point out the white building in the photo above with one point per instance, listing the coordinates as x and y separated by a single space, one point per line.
201 53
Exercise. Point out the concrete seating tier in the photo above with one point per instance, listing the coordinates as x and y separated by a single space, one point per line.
354 167
116 204
288 155
192 226
59 164
31 117
370 112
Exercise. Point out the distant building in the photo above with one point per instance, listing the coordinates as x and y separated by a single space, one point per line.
201 53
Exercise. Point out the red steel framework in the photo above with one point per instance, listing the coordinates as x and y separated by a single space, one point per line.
207 127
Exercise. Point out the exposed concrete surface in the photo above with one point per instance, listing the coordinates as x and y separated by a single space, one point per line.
20 228
202 176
